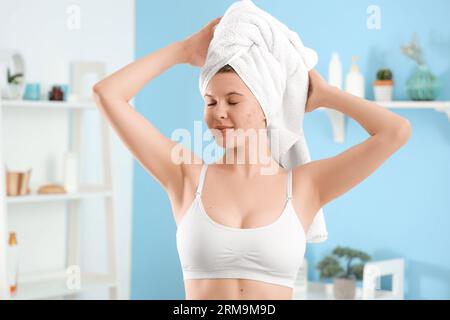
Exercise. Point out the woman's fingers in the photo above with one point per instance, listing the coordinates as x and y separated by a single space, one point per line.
216 21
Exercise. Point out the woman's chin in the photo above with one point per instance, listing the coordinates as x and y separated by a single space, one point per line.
223 142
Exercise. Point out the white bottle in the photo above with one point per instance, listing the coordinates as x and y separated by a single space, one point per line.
301 282
355 81
71 172
335 71
13 263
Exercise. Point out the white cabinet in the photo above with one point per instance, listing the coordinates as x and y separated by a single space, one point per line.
60 283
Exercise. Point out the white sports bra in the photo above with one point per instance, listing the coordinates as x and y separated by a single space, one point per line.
272 253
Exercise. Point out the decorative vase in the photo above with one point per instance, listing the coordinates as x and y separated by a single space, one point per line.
344 288
15 91
14 61
32 91
423 85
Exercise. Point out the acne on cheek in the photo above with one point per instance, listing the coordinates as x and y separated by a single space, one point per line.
249 115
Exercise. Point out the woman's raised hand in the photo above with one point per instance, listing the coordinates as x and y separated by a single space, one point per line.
197 44
318 91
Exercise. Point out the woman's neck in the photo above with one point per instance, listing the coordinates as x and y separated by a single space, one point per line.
250 161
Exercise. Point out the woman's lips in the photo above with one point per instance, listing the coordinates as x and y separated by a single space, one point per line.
224 128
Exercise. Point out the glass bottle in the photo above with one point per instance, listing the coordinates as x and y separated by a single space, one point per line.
13 263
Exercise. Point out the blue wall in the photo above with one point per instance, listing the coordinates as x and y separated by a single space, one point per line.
402 210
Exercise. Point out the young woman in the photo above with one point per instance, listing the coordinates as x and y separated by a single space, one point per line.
239 209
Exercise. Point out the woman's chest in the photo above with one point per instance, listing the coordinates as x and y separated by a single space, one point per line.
251 206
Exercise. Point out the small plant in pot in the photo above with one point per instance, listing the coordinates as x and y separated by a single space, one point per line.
15 84
383 86
344 280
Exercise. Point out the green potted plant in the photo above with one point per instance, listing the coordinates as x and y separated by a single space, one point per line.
344 279
14 83
383 86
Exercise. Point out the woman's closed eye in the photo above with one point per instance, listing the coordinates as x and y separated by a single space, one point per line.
230 103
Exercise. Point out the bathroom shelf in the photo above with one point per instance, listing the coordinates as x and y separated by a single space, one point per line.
324 291
338 119
370 288
43 286
64 105
84 192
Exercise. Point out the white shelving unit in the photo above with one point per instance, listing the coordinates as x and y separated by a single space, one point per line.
370 284
337 118
55 284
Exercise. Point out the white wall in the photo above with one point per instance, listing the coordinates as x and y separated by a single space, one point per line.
38 29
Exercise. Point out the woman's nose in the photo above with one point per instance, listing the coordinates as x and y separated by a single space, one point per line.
221 111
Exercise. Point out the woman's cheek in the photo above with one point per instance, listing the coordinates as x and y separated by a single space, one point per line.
208 118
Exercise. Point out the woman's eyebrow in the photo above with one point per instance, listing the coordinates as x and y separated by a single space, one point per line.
229 93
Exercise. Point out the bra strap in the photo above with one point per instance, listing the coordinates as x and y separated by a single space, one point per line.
289 186
201 179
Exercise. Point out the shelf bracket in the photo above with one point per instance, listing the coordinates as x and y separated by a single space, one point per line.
445 110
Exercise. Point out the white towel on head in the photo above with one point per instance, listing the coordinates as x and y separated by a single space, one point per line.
273 62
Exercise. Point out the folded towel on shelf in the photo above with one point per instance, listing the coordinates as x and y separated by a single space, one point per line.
274 64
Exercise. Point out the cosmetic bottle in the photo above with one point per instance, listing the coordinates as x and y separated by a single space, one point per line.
335 71
354 83
71 172
13 262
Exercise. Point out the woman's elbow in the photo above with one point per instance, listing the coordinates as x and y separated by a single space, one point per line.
405 130
98 89
104 91
402 132
100 95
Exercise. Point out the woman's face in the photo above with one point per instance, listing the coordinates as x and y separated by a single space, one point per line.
229 102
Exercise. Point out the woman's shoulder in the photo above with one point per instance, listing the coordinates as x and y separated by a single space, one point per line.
186 189
301 179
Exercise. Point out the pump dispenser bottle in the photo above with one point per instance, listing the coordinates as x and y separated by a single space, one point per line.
354 83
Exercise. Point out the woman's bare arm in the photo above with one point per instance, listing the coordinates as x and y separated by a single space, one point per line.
142 138
151 148
388 131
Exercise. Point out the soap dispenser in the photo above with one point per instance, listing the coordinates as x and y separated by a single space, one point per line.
354 83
